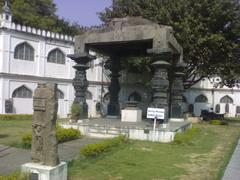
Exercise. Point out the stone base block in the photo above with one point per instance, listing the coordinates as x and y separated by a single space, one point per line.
131 115
176 119
194 119
41 172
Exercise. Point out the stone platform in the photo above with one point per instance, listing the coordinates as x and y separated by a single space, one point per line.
108 128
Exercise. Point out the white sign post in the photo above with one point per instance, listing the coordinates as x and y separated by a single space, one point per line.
155 113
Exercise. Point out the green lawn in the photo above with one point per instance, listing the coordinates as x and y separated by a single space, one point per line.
233 119
205 158
11 131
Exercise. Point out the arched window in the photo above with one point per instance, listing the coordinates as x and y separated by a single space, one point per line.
22 92
226 100
201 99
106 98
184 99
24 51
60 94
227 108
135 96
191 108
56 56
217 108
238 110
88 95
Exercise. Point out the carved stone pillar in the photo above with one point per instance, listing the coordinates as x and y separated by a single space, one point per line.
177 92
162 59
160 86
114 66
80 82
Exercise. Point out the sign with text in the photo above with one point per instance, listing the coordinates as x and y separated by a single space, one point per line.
155 113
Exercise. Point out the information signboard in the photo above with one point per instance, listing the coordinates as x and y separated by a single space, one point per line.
157 113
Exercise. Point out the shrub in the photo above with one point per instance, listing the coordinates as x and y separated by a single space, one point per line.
215 122
186 137
62 135
26 140
75 111
16 116
93 150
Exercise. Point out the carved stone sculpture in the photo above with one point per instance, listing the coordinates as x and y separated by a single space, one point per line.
80 82
114 66
177 92
160 81
44 142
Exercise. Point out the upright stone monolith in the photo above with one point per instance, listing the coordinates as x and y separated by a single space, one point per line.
45 162
44 142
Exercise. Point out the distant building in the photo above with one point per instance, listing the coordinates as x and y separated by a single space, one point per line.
29 55
204 95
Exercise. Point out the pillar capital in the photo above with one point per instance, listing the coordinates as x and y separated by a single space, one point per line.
165 54
161 64
180 67
83 58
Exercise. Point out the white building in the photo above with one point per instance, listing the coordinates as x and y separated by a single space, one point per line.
29 55
204 95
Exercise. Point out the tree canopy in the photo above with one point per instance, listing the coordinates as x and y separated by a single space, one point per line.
208 30
40 14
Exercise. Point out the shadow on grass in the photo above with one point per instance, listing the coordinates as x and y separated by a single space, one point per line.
4 135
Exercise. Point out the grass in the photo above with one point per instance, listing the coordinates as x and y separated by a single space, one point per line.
11 131
233 119
204 158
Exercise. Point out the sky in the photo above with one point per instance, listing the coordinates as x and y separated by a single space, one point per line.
84 12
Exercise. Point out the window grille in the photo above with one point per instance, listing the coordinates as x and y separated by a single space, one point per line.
60 94
22 92
56 56
24 51
226 100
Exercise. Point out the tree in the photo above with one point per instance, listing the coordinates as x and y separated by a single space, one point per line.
208 30
40 14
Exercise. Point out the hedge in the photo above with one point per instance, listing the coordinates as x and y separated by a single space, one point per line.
93 150
62 135
16 116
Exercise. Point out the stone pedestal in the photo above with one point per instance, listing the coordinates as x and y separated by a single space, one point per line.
131 115
42 172
80 82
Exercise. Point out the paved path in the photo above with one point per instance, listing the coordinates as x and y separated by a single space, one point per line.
11 158
232 171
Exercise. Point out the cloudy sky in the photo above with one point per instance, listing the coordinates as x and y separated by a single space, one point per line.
84 12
